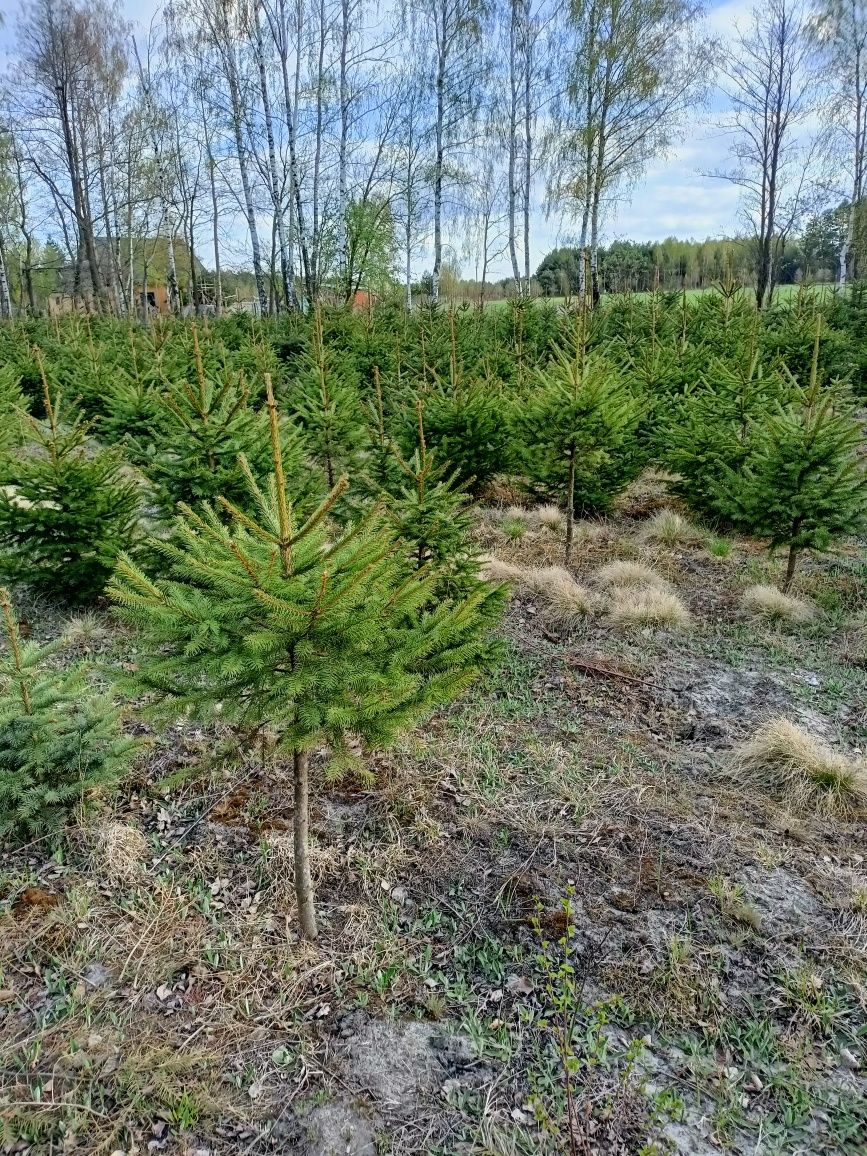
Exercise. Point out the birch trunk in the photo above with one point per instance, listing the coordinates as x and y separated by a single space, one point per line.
438 162
528 152
274 181
5 296
513 141
342 178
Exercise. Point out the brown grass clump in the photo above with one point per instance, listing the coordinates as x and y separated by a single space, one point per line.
121 850
669 528
550 517
494 569
787 762
769 602
626 575
566 600
649 606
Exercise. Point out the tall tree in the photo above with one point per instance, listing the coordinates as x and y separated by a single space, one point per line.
455 30
635 68
71 62
769 88
839 31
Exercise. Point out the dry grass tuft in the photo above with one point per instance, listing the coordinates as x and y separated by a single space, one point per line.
86 631
649 606
787 762
670 529
494 569
626 575
121 850
550 517
566 600
769 602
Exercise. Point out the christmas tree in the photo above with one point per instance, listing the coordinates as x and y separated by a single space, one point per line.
201 428
430 511
274 622
574 435
803 483
326 405
69 513
709 430
59 741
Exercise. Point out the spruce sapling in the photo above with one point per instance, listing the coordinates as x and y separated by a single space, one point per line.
202 427
327 406
431 513
59 741
574 435
326 641
69 513
804 482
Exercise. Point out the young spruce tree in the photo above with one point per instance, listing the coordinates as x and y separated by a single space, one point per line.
804 481
574 435
59 741
201 428
430 511
69 512
326 641
326 405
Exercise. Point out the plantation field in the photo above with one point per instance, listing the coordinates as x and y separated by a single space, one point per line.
783 295
509 797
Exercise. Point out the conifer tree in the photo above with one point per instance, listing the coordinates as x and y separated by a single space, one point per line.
201 429
574 435
59 741
430 511
464 424
804 482
326 404
12 416
709 430
69 513
274 622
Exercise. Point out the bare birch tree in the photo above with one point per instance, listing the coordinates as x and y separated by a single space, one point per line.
770 91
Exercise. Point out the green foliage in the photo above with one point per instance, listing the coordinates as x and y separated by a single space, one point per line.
464 424
709 431
273 622
69 514
326 405
431 514
200 429
11 417
578 425
803 482
59 741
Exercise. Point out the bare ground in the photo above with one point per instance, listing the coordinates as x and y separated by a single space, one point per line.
555 924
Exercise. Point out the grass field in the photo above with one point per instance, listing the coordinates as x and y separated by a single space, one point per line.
782 294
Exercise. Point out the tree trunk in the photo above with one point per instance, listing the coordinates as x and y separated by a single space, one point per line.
794 553
570 506
438 163
275 190
342 185
172 270
237 128
513 141
300 830
5 297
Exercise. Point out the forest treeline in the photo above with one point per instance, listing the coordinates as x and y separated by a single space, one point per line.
320 147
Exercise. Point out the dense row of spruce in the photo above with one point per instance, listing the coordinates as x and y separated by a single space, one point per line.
281 509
